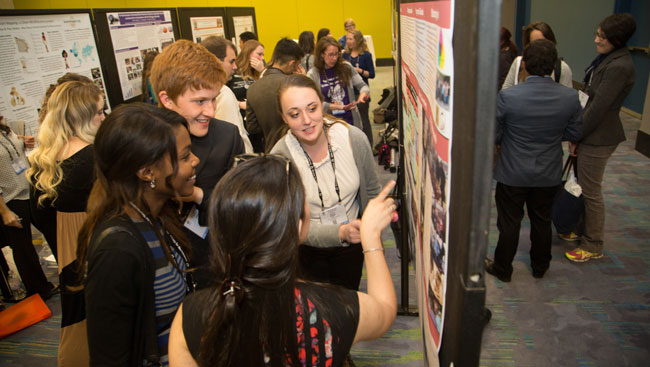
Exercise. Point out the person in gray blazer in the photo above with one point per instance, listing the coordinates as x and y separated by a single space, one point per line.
533 118
608 81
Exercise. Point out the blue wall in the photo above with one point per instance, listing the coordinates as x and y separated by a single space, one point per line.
574 23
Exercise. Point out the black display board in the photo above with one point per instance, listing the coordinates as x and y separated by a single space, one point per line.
185 16
152 36
474 48
233 30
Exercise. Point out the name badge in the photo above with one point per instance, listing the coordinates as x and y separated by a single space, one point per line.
19 165
334 215
192 223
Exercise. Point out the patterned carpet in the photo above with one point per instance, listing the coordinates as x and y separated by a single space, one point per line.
591 314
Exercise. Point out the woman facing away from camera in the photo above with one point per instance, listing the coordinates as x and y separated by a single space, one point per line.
132 240
261 313
62 174
337 168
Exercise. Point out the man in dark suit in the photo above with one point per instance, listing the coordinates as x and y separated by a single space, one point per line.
262 111
533 118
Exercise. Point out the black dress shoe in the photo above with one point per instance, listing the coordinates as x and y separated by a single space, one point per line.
491 269
539 273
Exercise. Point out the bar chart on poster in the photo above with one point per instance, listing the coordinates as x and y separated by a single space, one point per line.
427 64
36 51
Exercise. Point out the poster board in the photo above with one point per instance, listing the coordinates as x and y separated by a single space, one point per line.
125 35
240 20
198 23
38 47
427 82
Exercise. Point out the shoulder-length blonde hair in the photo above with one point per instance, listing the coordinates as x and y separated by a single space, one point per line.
71 110
243 62
360 44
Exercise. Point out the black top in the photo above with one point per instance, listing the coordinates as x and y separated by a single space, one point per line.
78 179
312 329
217 151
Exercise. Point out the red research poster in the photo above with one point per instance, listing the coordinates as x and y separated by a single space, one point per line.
427 96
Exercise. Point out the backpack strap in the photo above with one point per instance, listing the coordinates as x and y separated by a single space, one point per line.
558 69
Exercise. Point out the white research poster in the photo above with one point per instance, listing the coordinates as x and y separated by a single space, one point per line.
242 24
36 50
204 27
133 34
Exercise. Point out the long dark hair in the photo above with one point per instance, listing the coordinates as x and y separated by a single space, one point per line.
253 219
132 136
306 42
340 69
546 30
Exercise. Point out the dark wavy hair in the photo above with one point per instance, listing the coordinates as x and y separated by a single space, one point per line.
340 69
546 30
132 136
618 28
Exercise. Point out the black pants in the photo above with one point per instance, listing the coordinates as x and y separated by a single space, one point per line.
510 202
365 119
25 256
337 265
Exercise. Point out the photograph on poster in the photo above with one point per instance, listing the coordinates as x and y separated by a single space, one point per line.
133 34
443 90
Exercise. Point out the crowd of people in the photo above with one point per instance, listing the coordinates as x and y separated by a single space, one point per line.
537 109
180 238
226 219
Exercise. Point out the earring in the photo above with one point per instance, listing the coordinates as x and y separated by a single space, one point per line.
152 183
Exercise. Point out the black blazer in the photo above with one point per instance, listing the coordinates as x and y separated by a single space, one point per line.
610 84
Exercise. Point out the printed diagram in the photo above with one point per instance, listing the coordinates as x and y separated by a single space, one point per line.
16 99
81 55
22 45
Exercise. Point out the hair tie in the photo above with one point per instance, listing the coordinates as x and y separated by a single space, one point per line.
231 286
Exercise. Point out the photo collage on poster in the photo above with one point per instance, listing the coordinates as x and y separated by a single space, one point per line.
426 30
37 50
133 34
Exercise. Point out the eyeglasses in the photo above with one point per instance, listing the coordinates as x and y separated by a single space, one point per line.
248 156
334 54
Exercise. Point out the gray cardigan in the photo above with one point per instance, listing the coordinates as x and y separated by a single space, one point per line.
327 235
355 82
610 84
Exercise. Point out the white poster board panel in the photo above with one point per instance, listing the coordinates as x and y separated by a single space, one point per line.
133 34
36 50
242 24
203 27
427 90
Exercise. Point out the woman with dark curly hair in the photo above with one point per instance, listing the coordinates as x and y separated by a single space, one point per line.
608 81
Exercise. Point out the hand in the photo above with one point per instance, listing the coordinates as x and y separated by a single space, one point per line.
359 70
378 213
350 232
340 107
10 219
363 98
28 140
573 149
300 70
257 64
242 105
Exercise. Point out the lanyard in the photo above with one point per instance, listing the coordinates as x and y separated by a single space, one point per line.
189 283
12 145
313 172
